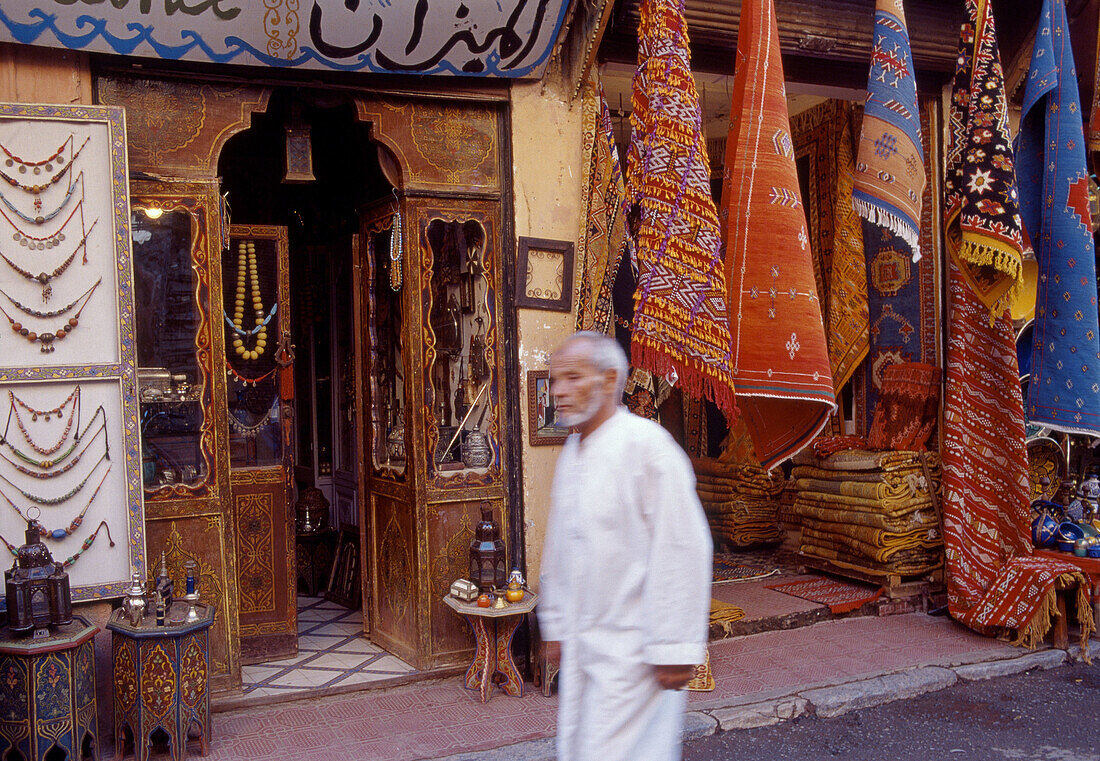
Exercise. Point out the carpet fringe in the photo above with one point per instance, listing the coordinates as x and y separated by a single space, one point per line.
892 222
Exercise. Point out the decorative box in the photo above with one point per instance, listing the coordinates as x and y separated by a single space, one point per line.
464 590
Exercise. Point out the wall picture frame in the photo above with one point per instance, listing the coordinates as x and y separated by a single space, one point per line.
543 429
545 274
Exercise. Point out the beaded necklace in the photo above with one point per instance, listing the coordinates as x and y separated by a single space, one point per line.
246 258
395 253
36 190
250 431
246 381
36 167
76 555
54 501
14 403
68 466
46 241
44 278
49 463
41 219
47 339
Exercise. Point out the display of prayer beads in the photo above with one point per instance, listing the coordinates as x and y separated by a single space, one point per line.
246 267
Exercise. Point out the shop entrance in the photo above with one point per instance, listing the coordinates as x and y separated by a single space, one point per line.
298 185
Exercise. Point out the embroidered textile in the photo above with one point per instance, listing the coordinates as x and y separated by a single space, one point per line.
889 175
602 241
840 596
993 582
780 360
907 408
1094 119
849 340
1054 201
681 326
982 218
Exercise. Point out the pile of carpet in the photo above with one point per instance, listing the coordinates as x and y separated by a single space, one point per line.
741 502
870 511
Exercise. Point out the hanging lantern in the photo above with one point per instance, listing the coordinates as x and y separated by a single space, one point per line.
299 151
37 587
487 558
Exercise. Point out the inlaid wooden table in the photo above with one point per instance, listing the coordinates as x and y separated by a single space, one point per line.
47 694
316 551
161 677
494 629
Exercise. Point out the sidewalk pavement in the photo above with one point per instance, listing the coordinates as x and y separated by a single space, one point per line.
825 669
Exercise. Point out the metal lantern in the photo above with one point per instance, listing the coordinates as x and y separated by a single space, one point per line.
37 587
488 568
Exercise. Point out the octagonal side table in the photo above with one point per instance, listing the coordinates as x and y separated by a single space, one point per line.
494 629
161 677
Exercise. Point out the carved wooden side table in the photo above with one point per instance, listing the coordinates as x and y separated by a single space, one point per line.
316 551
161 676
47 694
494 629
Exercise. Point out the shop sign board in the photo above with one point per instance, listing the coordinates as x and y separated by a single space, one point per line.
481 38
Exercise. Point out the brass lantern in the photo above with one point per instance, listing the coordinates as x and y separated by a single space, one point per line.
37 587
487 558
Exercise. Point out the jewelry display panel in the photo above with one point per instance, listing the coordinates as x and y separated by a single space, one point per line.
387 356
460 320
69 441
250 290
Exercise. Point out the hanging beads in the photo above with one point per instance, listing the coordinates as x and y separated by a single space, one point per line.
246 266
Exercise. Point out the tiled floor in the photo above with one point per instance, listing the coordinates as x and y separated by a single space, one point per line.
332 651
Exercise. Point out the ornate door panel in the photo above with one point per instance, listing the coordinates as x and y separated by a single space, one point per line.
395 572
256 320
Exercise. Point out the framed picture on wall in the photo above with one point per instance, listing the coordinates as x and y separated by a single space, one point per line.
545 274
542 419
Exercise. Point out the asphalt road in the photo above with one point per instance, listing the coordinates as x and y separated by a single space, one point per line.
1041 715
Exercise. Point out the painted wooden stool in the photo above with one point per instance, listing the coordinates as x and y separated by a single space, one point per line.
161 677
494 629
47 693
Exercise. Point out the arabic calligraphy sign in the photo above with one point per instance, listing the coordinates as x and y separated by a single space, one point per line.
485 38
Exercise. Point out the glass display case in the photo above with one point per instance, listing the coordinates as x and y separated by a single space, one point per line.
171 381
460 319
250 294
387 356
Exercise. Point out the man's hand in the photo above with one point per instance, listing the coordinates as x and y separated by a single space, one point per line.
551 651
673 677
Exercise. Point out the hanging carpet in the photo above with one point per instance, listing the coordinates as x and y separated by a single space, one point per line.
680 323
982 219
780 361
1054 201
908 407
847 312
889 172
601 244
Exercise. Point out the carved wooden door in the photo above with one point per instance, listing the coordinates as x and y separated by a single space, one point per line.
387 519
259 405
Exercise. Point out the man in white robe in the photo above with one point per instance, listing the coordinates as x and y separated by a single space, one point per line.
626 568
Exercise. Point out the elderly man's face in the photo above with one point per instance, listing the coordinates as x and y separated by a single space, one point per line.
579 390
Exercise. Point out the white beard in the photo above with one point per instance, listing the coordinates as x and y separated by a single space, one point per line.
571 420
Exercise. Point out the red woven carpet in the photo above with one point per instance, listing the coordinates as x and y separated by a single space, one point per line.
780 363
840 596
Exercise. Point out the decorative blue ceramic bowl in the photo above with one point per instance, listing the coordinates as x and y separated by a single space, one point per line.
1066 545
1094 551
1043 531
1070 531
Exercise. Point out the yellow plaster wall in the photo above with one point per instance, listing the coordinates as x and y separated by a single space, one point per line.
546 162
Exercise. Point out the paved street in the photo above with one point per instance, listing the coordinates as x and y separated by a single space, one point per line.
1040 715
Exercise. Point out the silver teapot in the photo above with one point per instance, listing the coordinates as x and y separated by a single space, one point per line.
133 604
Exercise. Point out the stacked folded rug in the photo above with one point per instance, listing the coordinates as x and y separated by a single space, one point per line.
741 502
870 511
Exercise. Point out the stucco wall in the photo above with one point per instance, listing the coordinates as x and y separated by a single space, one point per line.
546 161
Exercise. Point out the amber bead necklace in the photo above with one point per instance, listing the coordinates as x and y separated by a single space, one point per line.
246 260
36 167
44 278
47 339
41 219
53 501
36 190
14 403
49 463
